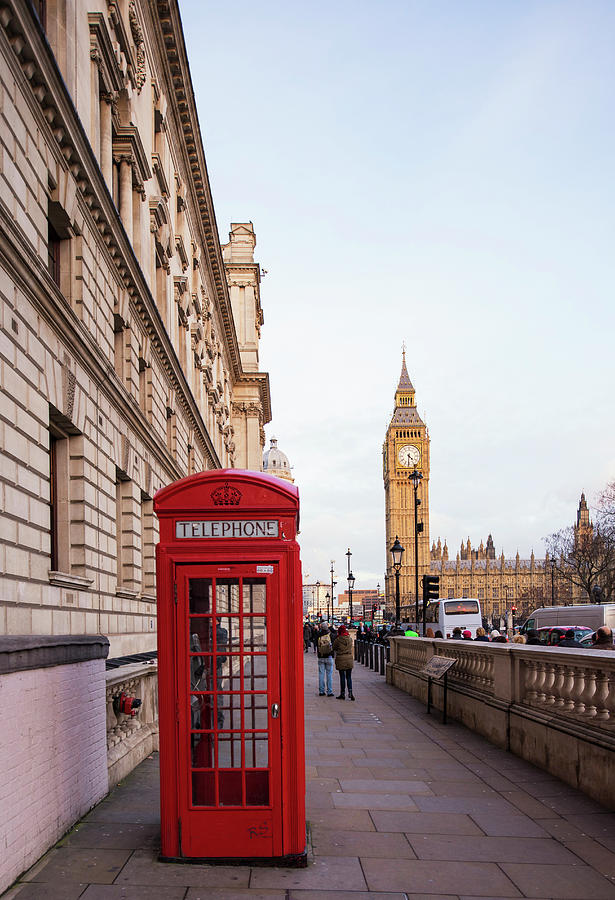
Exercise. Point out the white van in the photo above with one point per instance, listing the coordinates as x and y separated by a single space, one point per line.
592 615
460 612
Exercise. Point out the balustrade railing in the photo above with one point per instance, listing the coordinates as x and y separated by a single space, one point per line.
578 684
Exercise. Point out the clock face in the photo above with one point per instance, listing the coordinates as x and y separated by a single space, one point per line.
408 455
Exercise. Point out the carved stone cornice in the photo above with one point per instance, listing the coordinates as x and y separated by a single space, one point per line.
101 51
127 144
172 48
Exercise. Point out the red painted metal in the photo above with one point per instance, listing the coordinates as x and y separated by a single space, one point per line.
230 669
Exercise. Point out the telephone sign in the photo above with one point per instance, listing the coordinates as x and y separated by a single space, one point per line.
230 658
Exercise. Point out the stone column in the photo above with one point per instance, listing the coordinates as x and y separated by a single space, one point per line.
106 141
126 195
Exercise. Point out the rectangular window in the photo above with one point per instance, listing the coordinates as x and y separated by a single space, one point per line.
59 506
53 250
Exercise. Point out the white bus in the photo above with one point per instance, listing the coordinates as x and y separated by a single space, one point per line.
444 615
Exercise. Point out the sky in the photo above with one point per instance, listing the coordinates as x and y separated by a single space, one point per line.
441 174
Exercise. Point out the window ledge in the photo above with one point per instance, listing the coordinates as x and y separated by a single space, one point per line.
127 594
67 579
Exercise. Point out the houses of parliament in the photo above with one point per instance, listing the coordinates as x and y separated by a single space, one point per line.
501 583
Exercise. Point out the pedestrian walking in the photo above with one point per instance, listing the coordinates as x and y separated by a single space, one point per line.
344 661
307 636
325 661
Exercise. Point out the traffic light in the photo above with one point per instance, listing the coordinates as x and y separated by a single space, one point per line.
431 591
431 588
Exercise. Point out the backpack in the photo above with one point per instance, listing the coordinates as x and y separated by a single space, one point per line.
325 647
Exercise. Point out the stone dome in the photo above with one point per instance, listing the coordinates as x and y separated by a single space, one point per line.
276 463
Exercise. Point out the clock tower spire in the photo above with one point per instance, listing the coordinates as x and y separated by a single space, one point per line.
406 447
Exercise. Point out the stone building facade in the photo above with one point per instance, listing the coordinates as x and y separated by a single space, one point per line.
128 334
500 583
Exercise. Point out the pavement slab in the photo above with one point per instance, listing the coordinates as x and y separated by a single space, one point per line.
482 879
560 882
491 849
423 822
324 873
81 865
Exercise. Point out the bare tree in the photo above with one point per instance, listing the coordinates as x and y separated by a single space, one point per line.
585 559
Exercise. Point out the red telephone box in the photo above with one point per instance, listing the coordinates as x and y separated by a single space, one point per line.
230 669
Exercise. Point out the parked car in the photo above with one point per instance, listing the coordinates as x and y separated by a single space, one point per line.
551 636
588 640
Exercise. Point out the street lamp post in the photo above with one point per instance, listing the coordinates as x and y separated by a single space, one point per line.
397 551
415 478
333 583
318 598
327 598
351 581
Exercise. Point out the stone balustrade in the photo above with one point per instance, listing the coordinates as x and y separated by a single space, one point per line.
554 707
130 739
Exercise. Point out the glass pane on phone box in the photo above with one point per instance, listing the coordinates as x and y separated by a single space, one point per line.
203 789
199 595
229 751
201 673
227 595
228 672
257 751
200 630
202 751
256 711
254 632
254 595
229 787
257 788
229 711
201 711
255 673
227 633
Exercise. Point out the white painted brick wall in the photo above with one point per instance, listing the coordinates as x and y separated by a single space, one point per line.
53 758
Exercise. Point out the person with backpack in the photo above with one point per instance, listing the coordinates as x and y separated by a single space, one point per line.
325 661
342 646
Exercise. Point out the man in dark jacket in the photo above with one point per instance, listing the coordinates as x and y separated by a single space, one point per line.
532 637
568 640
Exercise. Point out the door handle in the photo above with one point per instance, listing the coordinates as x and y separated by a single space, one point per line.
275 710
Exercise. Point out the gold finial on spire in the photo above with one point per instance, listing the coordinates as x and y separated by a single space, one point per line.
403 349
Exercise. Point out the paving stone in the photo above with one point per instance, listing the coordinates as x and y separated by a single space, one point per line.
362 895
373 801
491 849
383 773
492 803
511 825
32 891
559 882
369 786
143 868
318 800
392 763
121 836
132 892
84 866
325 873
479 879
595 855
460 788
361 843
598 825
232 894
423 822
340 819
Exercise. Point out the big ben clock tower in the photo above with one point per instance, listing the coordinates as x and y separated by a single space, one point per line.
405 448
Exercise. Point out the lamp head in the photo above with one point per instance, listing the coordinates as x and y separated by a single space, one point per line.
397 551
